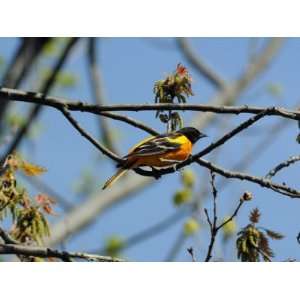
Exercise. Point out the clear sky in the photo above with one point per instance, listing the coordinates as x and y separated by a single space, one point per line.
130 66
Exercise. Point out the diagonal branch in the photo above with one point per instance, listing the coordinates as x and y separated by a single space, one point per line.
199 65
283 165
21 64
100 147
279 188
234 90
45 90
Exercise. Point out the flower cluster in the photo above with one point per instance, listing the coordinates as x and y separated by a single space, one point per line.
253 243
175 86
29 224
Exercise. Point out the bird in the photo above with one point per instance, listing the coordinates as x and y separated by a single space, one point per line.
158 151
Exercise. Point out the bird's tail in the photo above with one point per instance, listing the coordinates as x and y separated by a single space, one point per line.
115 177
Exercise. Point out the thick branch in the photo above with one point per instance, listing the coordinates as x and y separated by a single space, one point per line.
84 214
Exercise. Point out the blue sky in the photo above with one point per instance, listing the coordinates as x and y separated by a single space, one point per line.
130 66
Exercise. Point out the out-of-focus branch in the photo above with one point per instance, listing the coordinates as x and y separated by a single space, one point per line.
234 90
33 114
51 253
43 187
199 65
96 82
80 217
282 165
176 247
20 65
150 232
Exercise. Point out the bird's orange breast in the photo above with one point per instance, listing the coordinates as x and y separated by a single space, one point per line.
169 158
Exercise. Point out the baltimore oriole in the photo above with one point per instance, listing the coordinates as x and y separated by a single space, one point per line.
159 151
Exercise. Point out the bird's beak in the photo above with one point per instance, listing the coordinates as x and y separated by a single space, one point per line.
202 135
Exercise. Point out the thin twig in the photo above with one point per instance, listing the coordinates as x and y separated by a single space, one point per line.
99 146
213 224
279 188
282 165
214 227
7 238
191 252
232 216
129 121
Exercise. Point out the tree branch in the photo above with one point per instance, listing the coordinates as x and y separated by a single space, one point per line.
20 65
45 90
282 165
234 90
279 188
97 90
100 147
25 250
199 65
83 215
56 102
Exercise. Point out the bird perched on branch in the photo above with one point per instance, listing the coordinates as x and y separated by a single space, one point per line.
159 151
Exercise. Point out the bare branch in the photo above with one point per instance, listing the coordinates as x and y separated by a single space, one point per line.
97 89
22 62
279 188
129 121
45 90
232 216
100 147
282 165
213 224
83 215
191 252
50 253
6 237
199 65
56 102
234 90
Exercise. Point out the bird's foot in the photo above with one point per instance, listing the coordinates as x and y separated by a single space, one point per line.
155 173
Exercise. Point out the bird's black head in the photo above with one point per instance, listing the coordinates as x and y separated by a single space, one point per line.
192 134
